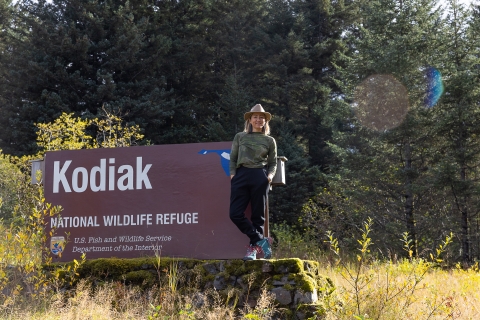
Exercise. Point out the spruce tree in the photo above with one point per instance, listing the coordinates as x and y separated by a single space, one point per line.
456 122
9 30
293 73
383 168
80 56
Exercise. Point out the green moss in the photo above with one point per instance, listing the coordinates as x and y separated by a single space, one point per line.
255 280
115 268
190 263
141 278
287 314
325 285
303 281
311 266
206 279
311 275
278 277
103 268
253 266
288 287
293 265
235 267
307 284
225 276
311 311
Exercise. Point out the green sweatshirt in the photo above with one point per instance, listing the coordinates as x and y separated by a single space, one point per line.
253 150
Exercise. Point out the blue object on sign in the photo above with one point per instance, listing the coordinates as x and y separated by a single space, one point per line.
224 158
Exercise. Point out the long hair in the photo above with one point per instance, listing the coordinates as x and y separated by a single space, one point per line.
248 127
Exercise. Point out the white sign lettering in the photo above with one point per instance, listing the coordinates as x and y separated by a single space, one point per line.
131 178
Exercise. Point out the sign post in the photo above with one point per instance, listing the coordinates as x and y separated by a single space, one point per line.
278 180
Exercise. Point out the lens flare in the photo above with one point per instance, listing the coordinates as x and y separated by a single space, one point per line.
434 86
380 102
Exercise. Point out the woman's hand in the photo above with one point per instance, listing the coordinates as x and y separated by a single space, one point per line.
270 178
231 176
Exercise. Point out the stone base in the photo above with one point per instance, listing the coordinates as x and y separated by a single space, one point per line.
296 284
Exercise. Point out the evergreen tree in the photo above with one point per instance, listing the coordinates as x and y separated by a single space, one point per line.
456 121
383 170
232 39
7 33
80 56
294 76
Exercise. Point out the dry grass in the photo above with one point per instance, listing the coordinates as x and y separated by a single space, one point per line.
381 289
117 301
393 291
438 294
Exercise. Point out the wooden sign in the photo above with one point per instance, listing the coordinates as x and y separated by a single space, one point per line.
130 202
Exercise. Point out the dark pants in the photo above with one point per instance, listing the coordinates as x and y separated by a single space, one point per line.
249 185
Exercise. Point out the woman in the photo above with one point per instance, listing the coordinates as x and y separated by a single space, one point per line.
253 162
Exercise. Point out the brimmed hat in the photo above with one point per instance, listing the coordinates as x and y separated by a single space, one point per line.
258 109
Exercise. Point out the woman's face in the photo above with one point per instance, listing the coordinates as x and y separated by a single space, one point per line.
257 120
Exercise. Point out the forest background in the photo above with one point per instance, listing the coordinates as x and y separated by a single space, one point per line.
186 71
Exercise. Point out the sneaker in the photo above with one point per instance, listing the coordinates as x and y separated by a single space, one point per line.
252 252
265 245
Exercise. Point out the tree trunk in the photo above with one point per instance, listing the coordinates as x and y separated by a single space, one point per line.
409 200
464 223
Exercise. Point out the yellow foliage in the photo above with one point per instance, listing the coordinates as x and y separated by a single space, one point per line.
69 133
23 246
24 251
64 133
23 242
112 133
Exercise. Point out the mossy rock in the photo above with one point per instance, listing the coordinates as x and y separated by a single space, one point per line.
115 268
311 266
142 278
255 280
200 275
254 265
325 285
287 314
289 287
207 281
292 265
236 267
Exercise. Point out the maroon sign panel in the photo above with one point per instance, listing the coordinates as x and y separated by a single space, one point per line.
131 202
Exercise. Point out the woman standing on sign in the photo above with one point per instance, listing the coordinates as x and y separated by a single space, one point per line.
253 162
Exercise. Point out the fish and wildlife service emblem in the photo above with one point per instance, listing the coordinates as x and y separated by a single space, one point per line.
57 244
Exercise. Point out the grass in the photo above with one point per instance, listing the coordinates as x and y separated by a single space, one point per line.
373 288
117 301
440 294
